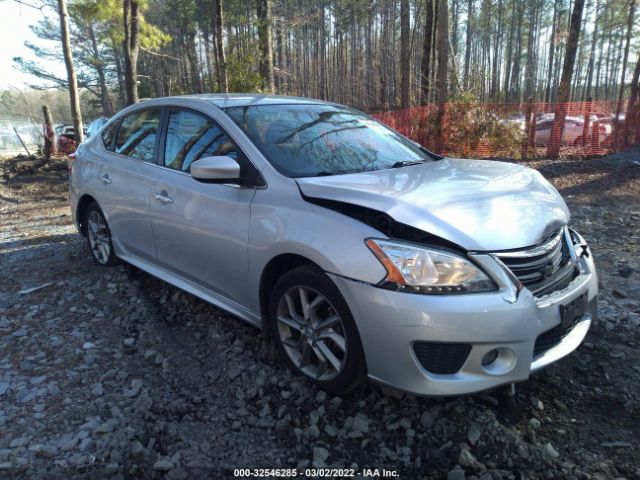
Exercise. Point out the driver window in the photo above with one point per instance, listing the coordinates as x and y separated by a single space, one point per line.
191 136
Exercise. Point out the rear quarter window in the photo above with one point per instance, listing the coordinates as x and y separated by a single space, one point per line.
108 135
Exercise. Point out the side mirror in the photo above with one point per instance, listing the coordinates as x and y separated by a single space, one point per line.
219 169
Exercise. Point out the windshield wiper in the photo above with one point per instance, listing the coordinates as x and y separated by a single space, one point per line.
406 163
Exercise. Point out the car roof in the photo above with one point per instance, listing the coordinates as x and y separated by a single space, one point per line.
226 100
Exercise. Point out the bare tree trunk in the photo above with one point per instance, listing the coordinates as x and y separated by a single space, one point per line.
455 18
507 69
368 55
50 147
573 93
74 97
633 110
529 79
131 45
592 53
625 58
266 44
119 75
467 53
600 55
497 54
207 53
405 59
105 100
222 61
514 88
552 50
443 64
383 97
427 47
323 55
555 139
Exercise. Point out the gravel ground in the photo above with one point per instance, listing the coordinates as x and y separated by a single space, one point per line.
111 373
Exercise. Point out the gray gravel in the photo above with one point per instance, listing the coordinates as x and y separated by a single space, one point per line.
111 373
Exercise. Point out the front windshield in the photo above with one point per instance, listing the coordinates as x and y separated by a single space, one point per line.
314 140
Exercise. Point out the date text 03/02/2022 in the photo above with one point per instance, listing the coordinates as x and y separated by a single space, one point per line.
332 473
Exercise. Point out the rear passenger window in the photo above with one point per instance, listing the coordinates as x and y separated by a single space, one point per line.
137 135
191 136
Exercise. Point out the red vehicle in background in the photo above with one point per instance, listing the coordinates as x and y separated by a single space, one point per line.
66 139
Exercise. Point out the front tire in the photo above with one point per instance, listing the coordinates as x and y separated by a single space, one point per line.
99 237
314 330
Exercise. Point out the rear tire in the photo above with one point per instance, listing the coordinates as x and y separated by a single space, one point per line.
99 237
314 330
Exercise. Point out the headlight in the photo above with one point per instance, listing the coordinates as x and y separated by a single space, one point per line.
425 270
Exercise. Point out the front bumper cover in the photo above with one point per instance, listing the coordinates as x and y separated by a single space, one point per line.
390 322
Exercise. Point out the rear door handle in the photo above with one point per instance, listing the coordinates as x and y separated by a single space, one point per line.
162 197
106 179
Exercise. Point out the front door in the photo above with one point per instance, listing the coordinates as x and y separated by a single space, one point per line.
200 229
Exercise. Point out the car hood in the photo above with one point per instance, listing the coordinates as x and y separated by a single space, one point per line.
478 204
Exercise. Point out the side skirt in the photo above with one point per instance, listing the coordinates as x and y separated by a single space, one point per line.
194 289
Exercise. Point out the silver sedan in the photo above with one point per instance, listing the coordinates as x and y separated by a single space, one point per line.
361 252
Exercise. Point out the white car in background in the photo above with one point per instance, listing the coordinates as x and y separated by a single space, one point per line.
573 127
573 133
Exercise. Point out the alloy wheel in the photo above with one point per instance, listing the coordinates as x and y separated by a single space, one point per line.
312 333
99 237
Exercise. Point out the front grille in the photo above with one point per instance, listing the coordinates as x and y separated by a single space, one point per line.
553 337
442 358
544 268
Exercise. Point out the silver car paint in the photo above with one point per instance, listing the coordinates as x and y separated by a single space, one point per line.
124 188
216 240
202 233
477 204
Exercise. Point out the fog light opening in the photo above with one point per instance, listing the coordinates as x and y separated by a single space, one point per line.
489 357
499 361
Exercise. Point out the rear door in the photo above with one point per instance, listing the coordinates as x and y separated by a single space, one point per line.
125 182
201 229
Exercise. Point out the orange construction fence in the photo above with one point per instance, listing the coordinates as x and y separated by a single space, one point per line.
518 130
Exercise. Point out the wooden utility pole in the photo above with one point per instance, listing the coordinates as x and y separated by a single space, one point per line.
555 139
74 97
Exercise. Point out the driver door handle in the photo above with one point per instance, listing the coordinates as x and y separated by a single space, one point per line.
106 179
162 197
